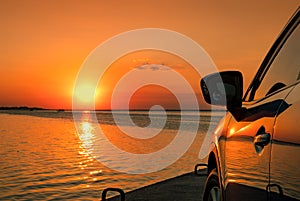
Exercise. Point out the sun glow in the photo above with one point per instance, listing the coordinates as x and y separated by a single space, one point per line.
85 93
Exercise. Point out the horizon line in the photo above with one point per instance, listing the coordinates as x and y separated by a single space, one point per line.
60 109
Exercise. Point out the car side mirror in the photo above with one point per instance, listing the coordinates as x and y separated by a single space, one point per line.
224 89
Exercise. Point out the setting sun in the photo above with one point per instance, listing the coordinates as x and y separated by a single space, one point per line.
85 93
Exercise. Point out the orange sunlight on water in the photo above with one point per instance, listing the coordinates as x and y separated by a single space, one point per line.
44 157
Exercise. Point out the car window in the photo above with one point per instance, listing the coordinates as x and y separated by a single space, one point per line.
285 69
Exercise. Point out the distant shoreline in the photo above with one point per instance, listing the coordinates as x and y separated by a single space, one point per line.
104 110
23 108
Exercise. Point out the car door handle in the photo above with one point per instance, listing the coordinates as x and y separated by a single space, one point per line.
262 139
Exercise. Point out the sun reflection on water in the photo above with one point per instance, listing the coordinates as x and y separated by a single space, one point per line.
94 175
87 136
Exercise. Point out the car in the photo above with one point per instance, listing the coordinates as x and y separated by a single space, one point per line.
255 152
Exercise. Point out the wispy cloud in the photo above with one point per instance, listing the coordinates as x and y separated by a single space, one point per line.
153 67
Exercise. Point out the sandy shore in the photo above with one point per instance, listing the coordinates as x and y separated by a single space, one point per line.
185 187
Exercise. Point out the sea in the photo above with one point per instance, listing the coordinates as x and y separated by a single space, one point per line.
52 155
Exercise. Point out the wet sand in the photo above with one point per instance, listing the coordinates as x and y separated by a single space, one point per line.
185 187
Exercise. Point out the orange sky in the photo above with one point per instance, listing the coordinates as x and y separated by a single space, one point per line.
44 43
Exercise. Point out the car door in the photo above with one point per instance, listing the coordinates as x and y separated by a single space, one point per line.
285 157
248 149
285 152
249 146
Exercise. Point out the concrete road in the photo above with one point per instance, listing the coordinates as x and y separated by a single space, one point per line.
187 187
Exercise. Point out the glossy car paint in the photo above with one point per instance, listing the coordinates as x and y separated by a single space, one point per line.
258 156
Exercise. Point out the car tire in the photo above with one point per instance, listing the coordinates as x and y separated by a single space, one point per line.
212 188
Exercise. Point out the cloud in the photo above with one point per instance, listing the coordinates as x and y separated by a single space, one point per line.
153 67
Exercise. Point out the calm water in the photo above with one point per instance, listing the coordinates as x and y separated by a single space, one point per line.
42 157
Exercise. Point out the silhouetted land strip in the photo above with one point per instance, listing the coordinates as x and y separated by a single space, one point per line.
22 108
185 187
119 110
